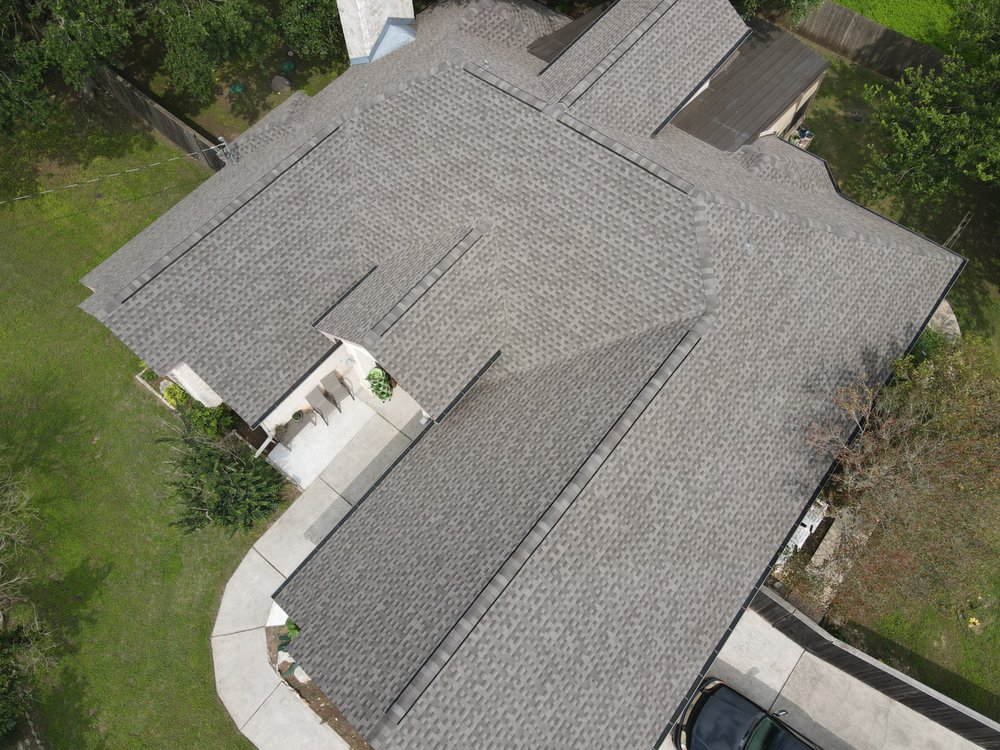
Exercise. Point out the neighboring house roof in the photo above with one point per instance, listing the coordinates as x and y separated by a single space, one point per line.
641 329
762 80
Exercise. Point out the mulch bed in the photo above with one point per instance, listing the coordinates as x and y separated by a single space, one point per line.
314 697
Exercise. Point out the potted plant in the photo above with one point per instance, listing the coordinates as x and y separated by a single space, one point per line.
379 381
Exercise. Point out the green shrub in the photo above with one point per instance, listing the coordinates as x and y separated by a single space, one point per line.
214 421
929 345
378 379
148 375
16 677
176 396
218 481
21 651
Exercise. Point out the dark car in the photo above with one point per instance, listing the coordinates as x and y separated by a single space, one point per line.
719 718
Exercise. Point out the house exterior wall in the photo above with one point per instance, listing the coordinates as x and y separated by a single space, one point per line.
351 361
785 120
188 379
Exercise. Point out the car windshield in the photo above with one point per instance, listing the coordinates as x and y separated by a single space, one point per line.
770 735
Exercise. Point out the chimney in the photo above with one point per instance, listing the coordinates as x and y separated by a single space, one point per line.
374 28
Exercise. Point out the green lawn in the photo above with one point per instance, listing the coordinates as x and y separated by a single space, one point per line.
924 20
131 600
841 137
931 639
838 117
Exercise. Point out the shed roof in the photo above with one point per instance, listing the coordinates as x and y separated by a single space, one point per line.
762 80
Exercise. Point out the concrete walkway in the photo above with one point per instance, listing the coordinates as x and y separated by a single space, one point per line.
265 708
824 704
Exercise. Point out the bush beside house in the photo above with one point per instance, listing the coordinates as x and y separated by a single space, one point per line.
219 481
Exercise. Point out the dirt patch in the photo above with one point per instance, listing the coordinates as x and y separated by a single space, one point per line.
312 695
253 438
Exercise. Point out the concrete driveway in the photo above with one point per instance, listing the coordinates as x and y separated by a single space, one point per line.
824 704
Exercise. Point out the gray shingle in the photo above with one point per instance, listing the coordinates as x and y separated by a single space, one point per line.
658 68
422 547
607 624
551 564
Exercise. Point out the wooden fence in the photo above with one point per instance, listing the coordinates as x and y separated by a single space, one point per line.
162 121
938 708
863 41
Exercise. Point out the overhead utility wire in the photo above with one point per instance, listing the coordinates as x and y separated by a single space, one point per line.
92 180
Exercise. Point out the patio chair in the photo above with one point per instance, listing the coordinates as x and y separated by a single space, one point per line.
336 390
320 404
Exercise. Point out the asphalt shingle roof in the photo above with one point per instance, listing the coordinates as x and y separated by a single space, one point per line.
762 80
649 324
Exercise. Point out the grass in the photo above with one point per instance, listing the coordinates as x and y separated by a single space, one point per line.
839 117
934 642
926 21
130 598
926 630
229 114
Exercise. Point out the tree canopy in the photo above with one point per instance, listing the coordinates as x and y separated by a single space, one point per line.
42 41
939 128
796 9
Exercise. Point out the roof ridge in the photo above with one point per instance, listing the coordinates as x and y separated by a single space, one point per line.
196 236
617 52
438 659
465 243
573 123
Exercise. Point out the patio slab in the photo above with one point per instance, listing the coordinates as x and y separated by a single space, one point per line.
244 678
306 454
246 600
355 468
284 721
300 528
401 411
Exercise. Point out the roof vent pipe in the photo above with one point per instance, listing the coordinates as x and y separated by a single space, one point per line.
374 28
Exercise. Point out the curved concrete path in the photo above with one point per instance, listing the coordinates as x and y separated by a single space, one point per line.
265 708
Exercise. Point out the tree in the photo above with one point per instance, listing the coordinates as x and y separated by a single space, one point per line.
939 128
920 475
312 28
218 481
796 9
16 682
75 34
69 38
63 36
21 71
200 35
21 636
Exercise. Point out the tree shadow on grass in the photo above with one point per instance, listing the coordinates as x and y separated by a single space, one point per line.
78 129
984 700
64 603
